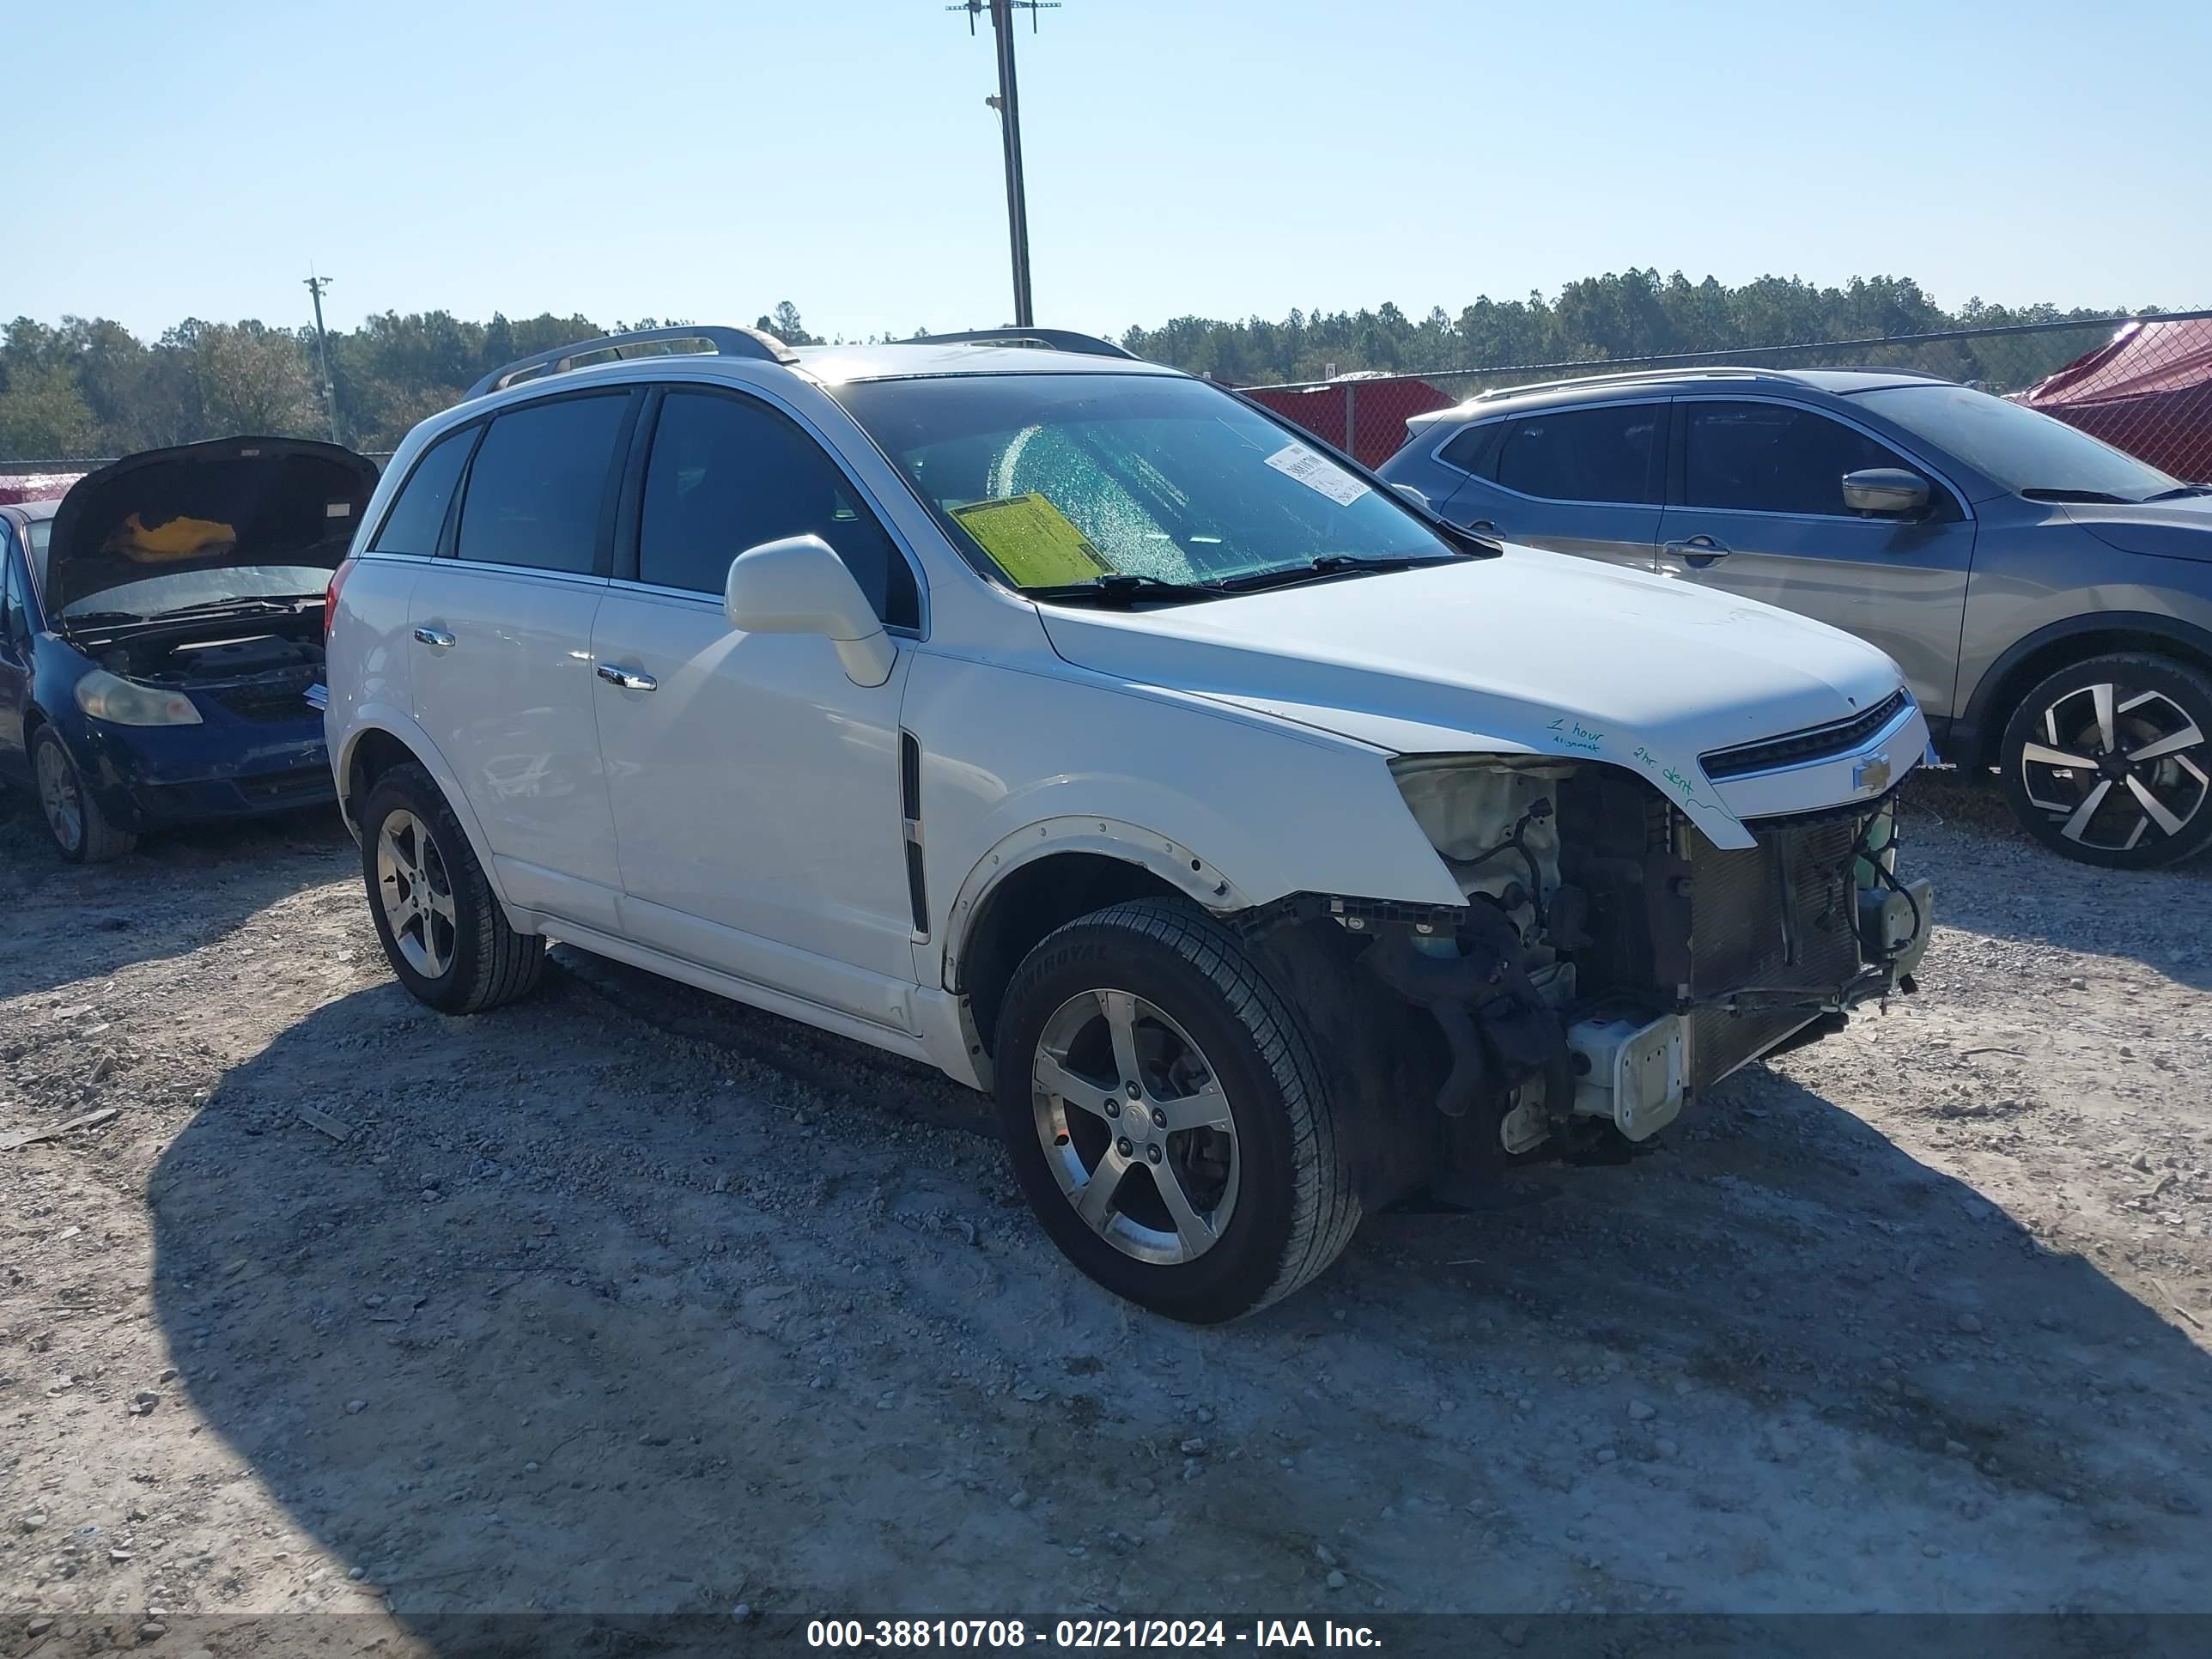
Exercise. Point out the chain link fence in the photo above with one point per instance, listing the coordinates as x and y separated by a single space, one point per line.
39 481
2147 391
2143 384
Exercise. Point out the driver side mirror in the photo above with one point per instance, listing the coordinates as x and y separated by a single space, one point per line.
799 586
1888 492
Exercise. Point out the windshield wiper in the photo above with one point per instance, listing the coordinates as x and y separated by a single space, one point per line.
2179 490
1123 588
1337 564
2082 497
249 604
96 618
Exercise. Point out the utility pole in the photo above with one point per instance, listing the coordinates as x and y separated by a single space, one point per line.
315 286
1007 103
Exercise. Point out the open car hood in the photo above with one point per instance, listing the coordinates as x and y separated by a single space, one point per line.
212 506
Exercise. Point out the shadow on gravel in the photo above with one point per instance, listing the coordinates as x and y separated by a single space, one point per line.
540 1333
61 922
837 1066
1953 821
510 1345
1785 1252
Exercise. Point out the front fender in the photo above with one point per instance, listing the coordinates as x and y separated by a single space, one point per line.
1261 808
1168 859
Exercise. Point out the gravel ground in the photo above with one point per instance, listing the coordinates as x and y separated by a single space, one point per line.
629 1300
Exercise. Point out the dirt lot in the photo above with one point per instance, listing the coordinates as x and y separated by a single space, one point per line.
629 1300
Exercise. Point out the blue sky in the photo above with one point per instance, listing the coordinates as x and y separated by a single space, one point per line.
703 159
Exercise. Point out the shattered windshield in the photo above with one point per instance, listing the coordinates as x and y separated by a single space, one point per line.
1053 480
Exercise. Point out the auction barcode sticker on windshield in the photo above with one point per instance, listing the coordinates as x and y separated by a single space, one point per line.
1317 472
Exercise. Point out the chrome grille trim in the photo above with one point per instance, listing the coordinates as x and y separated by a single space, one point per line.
1817 743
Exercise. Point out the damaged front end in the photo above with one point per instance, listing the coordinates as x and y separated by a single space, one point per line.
1611 962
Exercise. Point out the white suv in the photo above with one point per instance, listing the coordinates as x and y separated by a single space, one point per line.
1266 846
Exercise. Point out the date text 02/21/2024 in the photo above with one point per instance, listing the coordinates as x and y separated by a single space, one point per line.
1083 1634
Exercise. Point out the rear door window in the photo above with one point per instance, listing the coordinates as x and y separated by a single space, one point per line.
1771 458
1607 454
14 626
728 473
539 485
39 534
416 518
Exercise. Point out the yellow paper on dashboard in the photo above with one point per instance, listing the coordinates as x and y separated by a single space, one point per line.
1032 541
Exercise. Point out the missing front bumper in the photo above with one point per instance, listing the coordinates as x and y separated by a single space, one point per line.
1639 1077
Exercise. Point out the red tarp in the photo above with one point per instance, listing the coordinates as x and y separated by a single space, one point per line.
1371 413
35 486
2149 391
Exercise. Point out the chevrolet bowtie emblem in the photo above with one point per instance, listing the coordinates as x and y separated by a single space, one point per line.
1872 773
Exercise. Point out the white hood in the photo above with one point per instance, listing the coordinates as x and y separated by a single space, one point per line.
1533 652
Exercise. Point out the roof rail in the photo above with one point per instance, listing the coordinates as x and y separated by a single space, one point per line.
1718 371
724 341
1051 339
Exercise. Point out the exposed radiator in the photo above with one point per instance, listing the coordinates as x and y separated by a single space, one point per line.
1778 915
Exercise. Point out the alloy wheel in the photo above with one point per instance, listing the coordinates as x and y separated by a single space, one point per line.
58 797
416 894
1135 1127
2117 764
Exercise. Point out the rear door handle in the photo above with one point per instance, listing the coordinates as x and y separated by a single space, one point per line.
628 679
1483 527
1697 552
435 637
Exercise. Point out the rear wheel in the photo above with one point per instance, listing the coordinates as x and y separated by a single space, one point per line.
1166 1117
440 924
2110 761
81 830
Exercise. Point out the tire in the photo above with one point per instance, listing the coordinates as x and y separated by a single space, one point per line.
81 830
440 923
2114 808
1211 1040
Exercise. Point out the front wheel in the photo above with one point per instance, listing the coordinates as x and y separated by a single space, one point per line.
82 833
2110 761
1166 1117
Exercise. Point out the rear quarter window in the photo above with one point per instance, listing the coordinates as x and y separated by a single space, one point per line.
1474 450
415 519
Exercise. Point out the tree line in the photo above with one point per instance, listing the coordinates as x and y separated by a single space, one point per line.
1628 315
88 387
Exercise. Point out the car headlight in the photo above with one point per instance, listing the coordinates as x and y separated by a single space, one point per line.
106 697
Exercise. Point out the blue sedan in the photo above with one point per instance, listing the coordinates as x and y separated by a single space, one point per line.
161 637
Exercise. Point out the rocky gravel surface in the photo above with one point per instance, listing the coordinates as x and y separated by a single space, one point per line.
627 1300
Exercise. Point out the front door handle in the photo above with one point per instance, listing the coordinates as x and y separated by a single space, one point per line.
1697 552
1483 528
628 679
435 637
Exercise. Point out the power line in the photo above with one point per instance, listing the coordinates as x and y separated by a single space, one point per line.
315 286
1007 103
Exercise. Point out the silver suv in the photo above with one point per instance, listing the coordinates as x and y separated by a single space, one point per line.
2048 597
